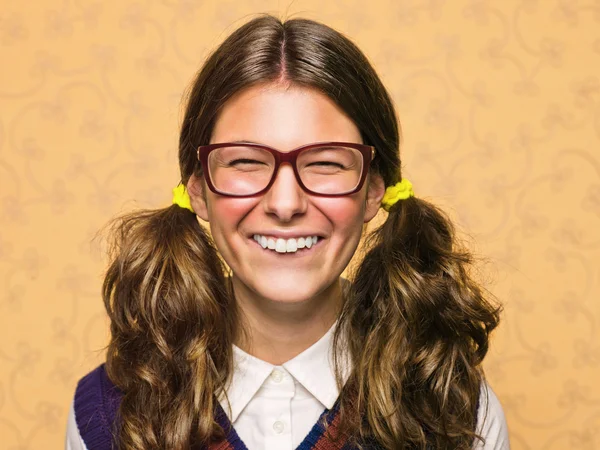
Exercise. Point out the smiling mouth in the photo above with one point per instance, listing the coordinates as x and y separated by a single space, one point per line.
291 245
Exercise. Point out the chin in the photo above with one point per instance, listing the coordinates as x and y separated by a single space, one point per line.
286 291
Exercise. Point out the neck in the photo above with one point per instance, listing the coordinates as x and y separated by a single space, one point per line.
278 331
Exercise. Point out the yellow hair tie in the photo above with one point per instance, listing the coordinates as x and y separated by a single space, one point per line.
400 191
181 197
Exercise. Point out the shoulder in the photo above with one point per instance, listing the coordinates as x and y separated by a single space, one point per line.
491 422
95 408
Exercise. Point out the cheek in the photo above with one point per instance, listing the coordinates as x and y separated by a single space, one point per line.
345 213
225 215
226 212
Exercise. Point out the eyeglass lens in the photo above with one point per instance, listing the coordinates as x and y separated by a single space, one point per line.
242 170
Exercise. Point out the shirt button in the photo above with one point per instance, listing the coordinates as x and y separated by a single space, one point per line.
277 376
278 427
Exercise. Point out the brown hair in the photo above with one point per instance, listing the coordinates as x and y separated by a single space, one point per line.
420 323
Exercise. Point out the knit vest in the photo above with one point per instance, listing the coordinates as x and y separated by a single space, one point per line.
97 401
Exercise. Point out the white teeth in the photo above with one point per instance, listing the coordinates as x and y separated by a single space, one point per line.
290 245
285 245
280 246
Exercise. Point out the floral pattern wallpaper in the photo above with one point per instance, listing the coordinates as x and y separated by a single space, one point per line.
499 103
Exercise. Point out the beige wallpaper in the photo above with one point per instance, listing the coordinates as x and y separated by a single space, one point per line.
500 105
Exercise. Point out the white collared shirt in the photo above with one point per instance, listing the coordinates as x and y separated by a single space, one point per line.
275 406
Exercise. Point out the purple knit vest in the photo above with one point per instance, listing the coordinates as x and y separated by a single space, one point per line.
96 404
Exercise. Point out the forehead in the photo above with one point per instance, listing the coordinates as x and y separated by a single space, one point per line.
282 117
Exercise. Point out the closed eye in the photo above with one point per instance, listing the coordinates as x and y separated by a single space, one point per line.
326 163
245 161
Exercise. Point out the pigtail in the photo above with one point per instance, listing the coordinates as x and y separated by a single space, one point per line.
170 313
420 328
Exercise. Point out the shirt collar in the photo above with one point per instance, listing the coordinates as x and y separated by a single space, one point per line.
313 368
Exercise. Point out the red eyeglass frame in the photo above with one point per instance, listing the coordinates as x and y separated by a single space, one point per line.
367 151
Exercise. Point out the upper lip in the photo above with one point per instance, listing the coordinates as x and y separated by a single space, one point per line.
287 234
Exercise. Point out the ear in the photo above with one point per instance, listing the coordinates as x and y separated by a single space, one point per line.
375 192
197 192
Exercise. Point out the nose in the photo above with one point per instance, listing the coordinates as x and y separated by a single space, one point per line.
285 198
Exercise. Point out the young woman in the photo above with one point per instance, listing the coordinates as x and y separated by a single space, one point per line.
249 337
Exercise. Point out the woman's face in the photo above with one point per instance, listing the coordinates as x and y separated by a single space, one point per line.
285 119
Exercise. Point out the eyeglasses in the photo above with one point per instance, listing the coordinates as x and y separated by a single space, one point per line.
244 169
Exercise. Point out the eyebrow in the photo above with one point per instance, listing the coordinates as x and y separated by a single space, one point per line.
246 141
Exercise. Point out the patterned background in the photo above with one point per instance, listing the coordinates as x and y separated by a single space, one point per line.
500 106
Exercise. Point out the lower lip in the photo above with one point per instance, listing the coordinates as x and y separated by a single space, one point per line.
299 252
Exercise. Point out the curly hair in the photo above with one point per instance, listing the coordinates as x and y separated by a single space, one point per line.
419 322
